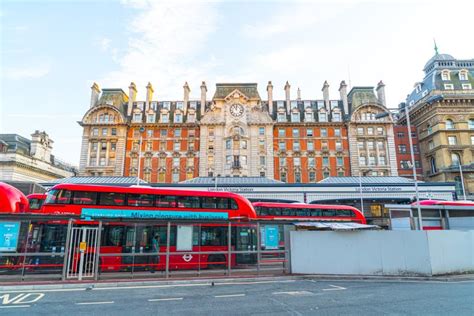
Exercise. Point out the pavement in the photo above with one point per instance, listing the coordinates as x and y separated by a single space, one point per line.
302 295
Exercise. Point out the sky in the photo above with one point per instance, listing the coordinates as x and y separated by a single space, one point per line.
53 51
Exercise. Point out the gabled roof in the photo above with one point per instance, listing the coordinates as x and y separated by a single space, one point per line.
367 180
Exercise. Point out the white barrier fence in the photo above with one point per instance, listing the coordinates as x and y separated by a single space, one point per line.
382 252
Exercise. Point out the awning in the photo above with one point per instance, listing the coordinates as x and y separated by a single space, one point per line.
335 226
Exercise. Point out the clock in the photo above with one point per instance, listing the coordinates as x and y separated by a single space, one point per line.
236 110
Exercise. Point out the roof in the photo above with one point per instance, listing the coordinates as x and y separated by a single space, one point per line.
335 226
248 89
231 180
123 181
438 57
366 180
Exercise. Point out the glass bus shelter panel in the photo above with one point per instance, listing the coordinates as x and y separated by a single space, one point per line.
244 242
272 253
32 249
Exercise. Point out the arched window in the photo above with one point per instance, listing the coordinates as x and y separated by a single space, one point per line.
455 159
449 124
445 75
433 165
463 75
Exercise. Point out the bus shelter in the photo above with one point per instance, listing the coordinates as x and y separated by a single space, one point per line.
35 247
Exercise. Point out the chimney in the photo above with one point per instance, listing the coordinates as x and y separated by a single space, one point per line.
381 92
298 94
203 98
95 92
343 94
325 91
149 95
287 97
132 97
270 97
186 91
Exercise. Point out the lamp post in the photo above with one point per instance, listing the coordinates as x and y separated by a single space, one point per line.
412 156
360 180
142 129
462 179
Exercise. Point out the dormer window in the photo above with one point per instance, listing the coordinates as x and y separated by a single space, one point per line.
334 104
320 104
294 104
280 104
166 105
150 118
281 117
193 104
140 105
180 105
445 76
191 118
154 105
448 86
307 104
165 118
466 86
178 118
295 117
463 75
323 117
308 117
336 117
137 117
418 88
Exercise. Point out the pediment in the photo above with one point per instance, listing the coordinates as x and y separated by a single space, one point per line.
236 95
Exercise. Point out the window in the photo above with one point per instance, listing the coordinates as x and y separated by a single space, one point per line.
149 133
402 149
463 75
360 131
336 117
431 145
340 174
261 145
113 131
295 117
140 200
281 117
415 149
175 177
175 161
104 132
180 105
323 117
324 132
371 160
333 104
149 146
211 132
361 145
281 132
381 145
84 197
296 145
455 160
448 86
111 198
281 145
320 104
452 140
417 164
296 132
339 161
191 117
165 118
103 146
338 145
325 174
445 75
210 160
433 165
262 160
293 104
283 176
380 131
166 105
429 129
150 118
312 176
370 131
308 116
193 104
449 124
337 132
362 160
309 132
228 159
466 86
370 145
310 145
311 162
177 146
297 177
261 131
92 161
282 162
178 118
472 139
325 161
382 160
95 132
228 144
471 124
113 146
163 133
297 161
243 159
324 145
137 117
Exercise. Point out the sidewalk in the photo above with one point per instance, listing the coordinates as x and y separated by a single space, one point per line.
57 285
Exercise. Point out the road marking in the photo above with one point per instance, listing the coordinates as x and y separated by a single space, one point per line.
229 295
165 299
14 306
293 293
257 282
335 288
94 303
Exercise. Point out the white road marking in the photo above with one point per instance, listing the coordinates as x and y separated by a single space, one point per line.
229 295
165 299
335 288
256 282
94 303
293 293
14 306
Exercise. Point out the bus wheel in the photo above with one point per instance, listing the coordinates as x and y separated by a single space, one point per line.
216 262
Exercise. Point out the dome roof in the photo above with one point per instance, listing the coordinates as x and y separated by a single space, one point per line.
438 57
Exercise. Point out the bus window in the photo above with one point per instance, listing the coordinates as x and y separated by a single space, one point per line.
113 236
315 212
213 236
208 202
286 211
275 211
223 203
111 198
188 201
302 212
233 205
165 201
347 213
81 197
51 197
328 213
35 204
63 197
140 200
53 238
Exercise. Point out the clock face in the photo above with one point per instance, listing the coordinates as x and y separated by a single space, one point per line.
236 109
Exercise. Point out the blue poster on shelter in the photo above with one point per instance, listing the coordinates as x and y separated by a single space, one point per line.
271 237
9 232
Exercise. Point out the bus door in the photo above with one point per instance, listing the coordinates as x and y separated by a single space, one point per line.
246 240
81 259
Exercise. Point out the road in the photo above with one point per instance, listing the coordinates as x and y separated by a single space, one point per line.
280 297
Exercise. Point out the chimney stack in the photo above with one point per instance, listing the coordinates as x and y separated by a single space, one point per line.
270 97
95 92
298 94
381 92
325 91
132 97
149 95
203 98
186 91
343 94
287 97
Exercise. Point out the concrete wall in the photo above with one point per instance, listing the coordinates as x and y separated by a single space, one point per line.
382 252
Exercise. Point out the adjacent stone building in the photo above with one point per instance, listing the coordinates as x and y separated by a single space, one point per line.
236 133
442 110
23 159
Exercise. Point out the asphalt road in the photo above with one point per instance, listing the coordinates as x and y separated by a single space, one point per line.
281 297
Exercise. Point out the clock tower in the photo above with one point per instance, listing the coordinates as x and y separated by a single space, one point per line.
236 134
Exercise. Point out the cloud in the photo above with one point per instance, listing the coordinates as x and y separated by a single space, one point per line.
104 43
28 72
166 39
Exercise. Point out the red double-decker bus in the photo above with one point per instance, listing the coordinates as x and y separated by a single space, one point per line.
308 212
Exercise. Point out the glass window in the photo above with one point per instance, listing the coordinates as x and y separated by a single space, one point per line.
296 132
261 145
323 117
111 198
362 160
308 117
228 144
297 161
281 117
360 131
176 146
320 104
82 197
293 104
296 145
261 131
295 117
311 162
188 201
310 145
338 145
297 177
449 124
382 160
309 132
140 200
380 131
452 140
243 144
324 132
177 132
402 149
175 161
104 132
337 132
340 161
325 174
175 177
281 145
137 117
471 124
150 118
262 160
63 197
370 131
283 177
95 132
455 160
180 105
312 176
281 132
165 118
165 200
178 118
336 117
325 161
164 133
472 139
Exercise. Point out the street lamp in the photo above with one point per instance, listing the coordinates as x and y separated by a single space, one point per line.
462 179
360 179
141 130
412 155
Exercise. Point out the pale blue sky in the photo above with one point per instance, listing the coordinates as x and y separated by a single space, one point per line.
52 51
